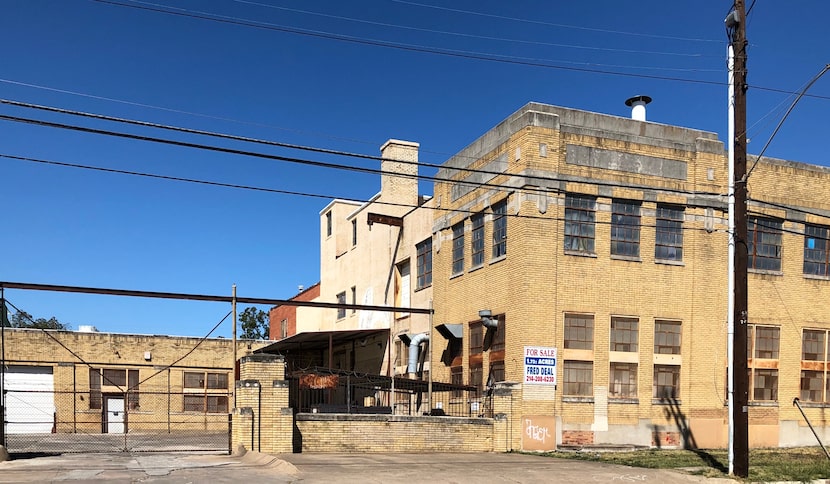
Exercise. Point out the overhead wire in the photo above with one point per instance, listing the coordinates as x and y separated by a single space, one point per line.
292 193
301 161
462 34
552 24
395 45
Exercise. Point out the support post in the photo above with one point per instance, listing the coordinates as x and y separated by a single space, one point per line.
233 365
740 376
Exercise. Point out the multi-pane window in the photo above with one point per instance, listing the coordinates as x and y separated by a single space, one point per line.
763 344
477 246
622 380
625 228
210 400
666 381
496 371
816 250
498 337
814 366
123 380
500 229
424 251
341 299
476 338
764 243
457 378
578 378
668 237
666 337
458 248
476 376
624 334
579 331
580 223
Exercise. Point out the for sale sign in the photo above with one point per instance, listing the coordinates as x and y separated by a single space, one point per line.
540 365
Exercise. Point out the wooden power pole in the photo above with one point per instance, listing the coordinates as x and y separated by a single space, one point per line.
740 407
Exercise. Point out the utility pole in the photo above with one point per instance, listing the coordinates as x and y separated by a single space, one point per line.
739 375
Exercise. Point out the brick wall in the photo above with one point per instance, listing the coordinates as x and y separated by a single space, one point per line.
387 433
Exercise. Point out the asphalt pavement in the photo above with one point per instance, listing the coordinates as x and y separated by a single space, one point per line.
254 467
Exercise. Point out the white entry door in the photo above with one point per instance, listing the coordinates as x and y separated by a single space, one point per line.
115 415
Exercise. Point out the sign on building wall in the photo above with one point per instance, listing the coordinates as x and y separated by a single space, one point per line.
540 365
538 432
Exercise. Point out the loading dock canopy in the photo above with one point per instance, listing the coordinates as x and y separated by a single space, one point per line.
320 340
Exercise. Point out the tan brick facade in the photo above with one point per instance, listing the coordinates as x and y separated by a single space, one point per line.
538 158
194 393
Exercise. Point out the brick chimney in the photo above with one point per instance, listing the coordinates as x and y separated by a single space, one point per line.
399 158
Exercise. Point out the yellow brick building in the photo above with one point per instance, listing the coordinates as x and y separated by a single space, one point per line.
605 238
91 382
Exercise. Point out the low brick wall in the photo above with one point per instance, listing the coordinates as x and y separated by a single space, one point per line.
322 432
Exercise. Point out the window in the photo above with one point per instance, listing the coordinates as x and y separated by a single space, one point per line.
496 372
625 228
424 251
458 248
624 333
476 338
205 403
457 378
354 232
763 344
814 366
476 373
123 380
211 381
579 331
403 353
498 337
623 380
666 337
666 382
668 237
764 243
94 388
284 328
500 229
478 240
354 298
816 250
580 223
328 224
341 299
578 378
208 401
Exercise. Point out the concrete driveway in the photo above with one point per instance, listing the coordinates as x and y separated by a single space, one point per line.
342 468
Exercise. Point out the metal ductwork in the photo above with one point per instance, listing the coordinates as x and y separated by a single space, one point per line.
414 345
488 320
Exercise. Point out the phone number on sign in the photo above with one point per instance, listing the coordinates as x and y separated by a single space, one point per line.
539 378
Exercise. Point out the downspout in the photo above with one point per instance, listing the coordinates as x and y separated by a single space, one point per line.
412 365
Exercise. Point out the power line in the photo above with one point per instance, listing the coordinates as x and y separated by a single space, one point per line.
395 45
460 34
551 24
302 194
310 162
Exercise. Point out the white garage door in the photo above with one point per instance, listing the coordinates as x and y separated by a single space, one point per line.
30 399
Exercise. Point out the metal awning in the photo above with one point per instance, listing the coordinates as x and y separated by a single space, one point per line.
319 340
450 331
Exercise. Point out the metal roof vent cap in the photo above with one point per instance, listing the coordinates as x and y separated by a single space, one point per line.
638 106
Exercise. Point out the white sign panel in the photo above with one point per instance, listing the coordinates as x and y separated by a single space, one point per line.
540 365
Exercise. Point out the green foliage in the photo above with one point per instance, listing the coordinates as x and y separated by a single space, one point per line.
254 323
22 319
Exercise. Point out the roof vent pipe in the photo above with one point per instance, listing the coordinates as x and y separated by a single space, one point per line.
638 107
487 319
416 341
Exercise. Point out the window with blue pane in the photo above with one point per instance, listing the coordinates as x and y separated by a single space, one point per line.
816 253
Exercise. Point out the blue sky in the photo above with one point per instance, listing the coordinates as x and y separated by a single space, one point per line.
78 227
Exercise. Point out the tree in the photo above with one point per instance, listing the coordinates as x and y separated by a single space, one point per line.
254 323
22 319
